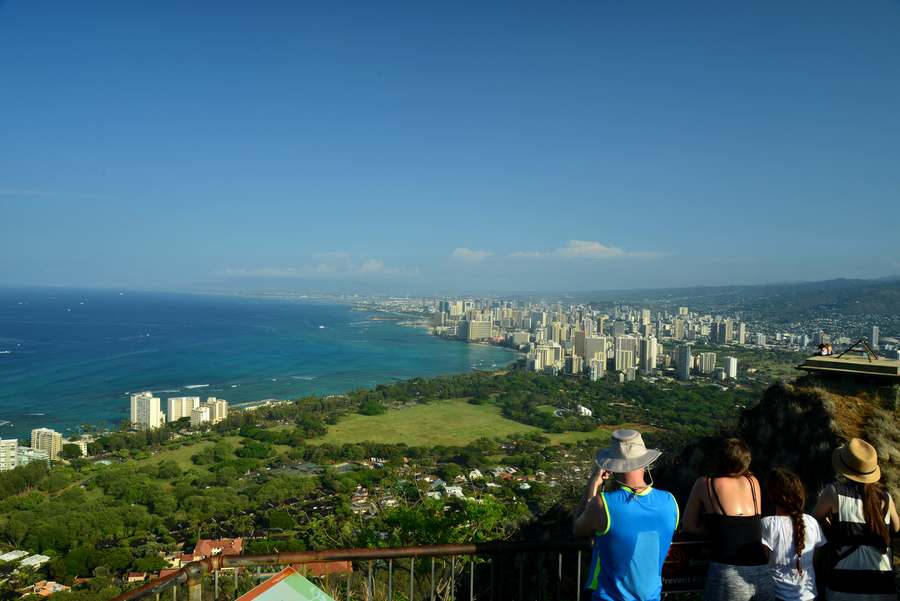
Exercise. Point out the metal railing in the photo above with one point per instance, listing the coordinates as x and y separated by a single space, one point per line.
551 570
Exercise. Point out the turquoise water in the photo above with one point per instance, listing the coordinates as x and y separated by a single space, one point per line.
73 356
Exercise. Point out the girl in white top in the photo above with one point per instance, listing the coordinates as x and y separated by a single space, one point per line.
791 537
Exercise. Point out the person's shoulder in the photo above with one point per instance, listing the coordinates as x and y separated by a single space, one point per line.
664 494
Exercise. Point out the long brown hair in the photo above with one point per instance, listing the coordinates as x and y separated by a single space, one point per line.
785 490
874 497
733 458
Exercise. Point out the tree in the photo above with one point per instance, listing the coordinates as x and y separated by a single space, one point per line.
371 408
70 451
280 519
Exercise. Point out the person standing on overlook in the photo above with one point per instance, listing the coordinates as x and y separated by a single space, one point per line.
727 507
859 516
632 525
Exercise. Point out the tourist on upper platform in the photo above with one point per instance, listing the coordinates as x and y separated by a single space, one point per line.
791 537
726 507
859 517
632 523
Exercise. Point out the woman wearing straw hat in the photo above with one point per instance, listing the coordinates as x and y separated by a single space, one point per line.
859 516
632 525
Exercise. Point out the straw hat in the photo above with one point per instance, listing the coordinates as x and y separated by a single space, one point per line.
858 461
626 452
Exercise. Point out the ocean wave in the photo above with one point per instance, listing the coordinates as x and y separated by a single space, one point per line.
3 422
36 414
170 390
307 378
192 386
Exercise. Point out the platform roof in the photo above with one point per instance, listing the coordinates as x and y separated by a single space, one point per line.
858 365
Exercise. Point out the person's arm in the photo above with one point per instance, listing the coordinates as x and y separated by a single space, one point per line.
694 509
826 506
591 514
892 510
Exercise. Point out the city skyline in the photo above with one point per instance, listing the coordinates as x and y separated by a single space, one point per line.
415 149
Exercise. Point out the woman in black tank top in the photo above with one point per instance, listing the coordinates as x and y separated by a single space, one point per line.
735 539
738 568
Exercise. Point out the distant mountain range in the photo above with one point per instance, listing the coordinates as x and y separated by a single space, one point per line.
777 302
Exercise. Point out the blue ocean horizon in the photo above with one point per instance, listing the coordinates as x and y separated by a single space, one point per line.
71 357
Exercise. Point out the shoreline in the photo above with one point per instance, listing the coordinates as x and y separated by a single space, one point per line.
108 422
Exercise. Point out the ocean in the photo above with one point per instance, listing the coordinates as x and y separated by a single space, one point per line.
71 357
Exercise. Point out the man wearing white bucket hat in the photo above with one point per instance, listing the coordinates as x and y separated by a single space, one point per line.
632 525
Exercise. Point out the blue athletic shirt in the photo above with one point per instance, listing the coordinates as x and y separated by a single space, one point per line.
628 556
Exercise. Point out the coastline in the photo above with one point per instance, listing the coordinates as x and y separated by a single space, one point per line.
74 367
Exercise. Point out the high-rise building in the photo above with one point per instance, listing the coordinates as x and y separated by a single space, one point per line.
574 364
731 368
578 341
684 362
629 343
597 368
218 409
181 406
678 329
645 317
742 333
707 362
472 330
145 412
624 360
761 340
594 345
874 339
199 416
8 452
618 328
728 335
683 311
648 355
47 440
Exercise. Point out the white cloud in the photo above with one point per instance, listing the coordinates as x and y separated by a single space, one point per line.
468 254
371 266
585 249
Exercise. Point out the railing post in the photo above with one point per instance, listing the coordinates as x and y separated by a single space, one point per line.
453 578
370 584
390 580
472 578
216 585
559 577
578 579
412 577
432 578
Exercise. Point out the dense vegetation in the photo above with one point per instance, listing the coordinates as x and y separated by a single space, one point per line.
263 475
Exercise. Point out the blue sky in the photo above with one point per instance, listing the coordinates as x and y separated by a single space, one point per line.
447 147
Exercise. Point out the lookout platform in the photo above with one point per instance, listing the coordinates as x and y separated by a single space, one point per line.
857 367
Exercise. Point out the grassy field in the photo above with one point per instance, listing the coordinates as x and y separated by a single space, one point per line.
451 422
182 455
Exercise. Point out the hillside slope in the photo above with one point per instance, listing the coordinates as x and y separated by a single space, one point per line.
798 426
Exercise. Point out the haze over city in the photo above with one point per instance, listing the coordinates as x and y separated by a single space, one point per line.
408 148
